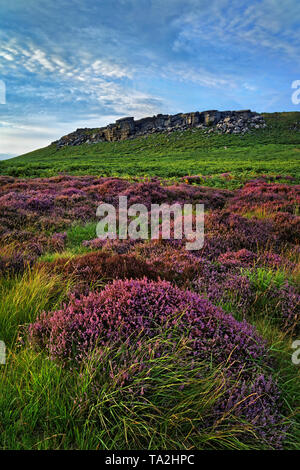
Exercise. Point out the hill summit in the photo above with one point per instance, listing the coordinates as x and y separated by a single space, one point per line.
229 122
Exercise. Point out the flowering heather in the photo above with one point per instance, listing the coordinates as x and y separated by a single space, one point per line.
232 290
268 197
33 244
58 240
245 258
287 227
226 231
52 204
114 245
257 403
241 258
274 260
15 264
125 307
170 262
286 301
141 309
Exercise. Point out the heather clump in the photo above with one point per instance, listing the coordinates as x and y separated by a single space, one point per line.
58 240
239 232
125 307
275 261
246 259
284 306
170 261
95 268
267 197
287 227
33 244
113 245
15 263
129 312
212 198
233 292
238 258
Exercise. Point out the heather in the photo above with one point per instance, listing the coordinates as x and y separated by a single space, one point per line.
36 213
95 268
130 311
124 307
136 344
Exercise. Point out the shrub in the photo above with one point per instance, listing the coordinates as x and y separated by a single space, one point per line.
130 306
128 312
88 269
15 263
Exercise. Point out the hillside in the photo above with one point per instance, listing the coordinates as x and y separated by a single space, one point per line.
273 150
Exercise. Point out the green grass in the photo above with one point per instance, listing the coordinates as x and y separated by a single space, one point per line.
274 150
23 298
77 233
286 373
264 278
56 409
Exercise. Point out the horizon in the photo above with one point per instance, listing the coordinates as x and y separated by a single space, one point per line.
140 58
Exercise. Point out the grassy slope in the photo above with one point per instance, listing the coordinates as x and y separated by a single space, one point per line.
274 150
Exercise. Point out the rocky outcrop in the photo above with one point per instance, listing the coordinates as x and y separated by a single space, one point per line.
225 122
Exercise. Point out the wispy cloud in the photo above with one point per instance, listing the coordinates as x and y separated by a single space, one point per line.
179 71
268 24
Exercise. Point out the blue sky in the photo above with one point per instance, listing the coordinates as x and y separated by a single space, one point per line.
85 63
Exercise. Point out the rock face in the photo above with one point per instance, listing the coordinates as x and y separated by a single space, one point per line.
224 122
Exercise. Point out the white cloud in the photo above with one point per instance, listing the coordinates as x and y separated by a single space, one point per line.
6 55
268 24
18 141
107 69
249 87
92 80
36 60
197 75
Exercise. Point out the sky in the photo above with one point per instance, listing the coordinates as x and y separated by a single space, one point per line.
66 64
